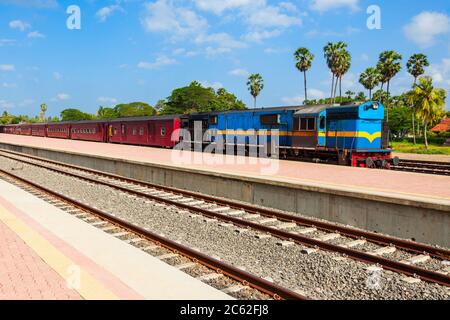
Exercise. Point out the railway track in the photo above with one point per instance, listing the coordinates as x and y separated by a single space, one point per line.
368 247
429 167
161 247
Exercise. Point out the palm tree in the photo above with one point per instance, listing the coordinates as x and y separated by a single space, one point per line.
428 102
332 52
42 113
343 66
255 85
349 94
370 78
415 66
389 65
304 60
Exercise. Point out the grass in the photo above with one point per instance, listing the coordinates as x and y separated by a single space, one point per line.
409 147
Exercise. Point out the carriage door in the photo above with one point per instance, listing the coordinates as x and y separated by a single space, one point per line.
123 131
151 132
322 130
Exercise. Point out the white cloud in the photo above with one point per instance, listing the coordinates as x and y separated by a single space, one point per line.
105 12
61 97
163 16
161 61
7 42
298 100
214 85
325 5
57 75
107 100
179 51
258 36
32 3
365 57
218 6
289 6
35 35
7 67
239 73
9 85
6 104
271 16
19 24
212 52
424 27
223 39
26 102
440 72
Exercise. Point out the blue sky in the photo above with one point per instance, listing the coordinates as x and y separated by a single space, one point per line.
140 50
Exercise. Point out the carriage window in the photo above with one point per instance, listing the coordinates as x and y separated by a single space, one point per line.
270 119
322 122
213 120
115 131
163 132
123 129
141 131
308 124
134 131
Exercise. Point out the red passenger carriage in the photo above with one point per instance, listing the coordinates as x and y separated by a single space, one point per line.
148 131
38 129
58 130
89 131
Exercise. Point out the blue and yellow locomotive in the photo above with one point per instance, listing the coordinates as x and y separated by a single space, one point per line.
353 134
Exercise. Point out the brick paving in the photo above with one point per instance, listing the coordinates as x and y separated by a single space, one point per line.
24 275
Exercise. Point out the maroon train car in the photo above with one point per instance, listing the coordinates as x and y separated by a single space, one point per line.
89 131
25 129
58 130
38 129
147 131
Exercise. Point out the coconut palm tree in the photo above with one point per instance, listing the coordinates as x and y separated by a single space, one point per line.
332 53
370 78
255 85
415 66
304 60
388 66
428 102
343 66
42 113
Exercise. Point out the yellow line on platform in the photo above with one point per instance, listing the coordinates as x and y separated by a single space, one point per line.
81 281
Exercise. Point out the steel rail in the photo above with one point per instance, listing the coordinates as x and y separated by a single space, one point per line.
272 289
322 225
392 265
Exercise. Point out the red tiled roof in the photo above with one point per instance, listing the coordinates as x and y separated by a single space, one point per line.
443 126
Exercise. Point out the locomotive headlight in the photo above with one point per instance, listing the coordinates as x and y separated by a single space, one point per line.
375 105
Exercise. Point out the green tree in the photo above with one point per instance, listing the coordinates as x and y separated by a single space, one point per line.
360 96
369 79
415 67
428 102
335 56
160 105
255 85
399 123
303 60
349 94
226 101
190 99
134 109
388 66
75 115
106 113
343 66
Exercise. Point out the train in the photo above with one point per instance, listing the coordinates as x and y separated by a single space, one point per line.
352 134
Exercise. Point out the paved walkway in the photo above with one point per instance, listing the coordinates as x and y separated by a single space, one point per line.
46 253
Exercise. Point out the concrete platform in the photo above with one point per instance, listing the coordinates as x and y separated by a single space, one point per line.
423 157
46 253
407 205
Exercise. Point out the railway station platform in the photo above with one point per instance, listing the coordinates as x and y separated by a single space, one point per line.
47 253
423 157
407 205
